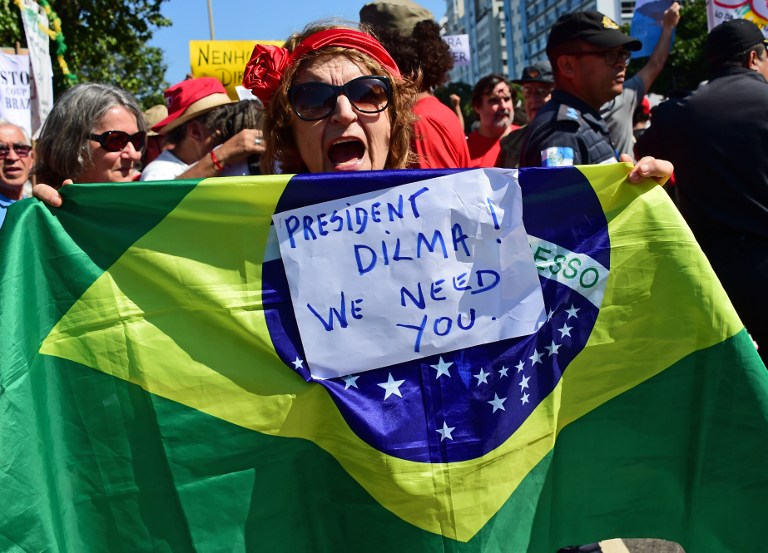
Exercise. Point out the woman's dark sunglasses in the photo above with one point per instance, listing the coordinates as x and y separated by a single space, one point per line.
116 141
314 101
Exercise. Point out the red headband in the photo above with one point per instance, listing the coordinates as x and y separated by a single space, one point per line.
265 69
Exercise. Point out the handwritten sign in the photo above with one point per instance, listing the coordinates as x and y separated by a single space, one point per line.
223 59
415 270
459 48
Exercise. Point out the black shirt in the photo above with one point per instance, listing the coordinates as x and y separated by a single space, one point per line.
566 131
717 138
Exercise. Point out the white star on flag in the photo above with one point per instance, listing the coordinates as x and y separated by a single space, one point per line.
442 368
298 363
550 313
536 357
524 399
524 383
572 312
482 377
565 330
520 366
497 403
553 348
391 386
445 431
350 381
503 371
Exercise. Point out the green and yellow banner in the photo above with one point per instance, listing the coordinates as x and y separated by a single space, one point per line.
168 383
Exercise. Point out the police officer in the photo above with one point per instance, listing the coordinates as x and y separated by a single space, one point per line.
589 56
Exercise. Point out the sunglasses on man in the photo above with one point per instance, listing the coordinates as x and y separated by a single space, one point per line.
315 100
22 150
116 141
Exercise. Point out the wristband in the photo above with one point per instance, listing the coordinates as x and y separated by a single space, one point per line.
216 163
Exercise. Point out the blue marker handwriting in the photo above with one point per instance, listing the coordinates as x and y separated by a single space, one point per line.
477 282
367 257
357 219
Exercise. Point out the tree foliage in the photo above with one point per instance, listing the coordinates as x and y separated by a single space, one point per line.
107 41
686 66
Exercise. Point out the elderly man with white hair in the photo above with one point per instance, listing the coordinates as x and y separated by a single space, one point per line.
16 158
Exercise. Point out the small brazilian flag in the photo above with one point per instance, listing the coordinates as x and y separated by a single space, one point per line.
157 389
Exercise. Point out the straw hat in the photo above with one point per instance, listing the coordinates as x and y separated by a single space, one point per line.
154 115
190 99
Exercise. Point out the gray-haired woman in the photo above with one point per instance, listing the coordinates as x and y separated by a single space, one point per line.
94 133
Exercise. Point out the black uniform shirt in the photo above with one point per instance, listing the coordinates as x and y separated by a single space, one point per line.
566 131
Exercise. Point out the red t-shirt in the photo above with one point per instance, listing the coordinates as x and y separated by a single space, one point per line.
438 138
485 151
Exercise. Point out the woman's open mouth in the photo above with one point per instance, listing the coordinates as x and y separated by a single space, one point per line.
346 151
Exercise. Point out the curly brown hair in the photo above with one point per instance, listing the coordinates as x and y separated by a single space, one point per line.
422 55
281 147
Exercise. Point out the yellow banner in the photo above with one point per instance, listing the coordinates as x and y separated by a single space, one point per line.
223 59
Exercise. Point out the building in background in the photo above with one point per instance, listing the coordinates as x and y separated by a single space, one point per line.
485 23
507 35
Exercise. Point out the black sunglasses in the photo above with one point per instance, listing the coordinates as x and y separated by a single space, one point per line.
314 101
22 150
116 141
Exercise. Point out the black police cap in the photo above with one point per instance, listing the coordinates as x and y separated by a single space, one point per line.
592 27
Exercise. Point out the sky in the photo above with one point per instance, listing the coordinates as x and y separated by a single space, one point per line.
247 20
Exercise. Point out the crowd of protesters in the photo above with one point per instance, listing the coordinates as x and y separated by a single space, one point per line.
339 97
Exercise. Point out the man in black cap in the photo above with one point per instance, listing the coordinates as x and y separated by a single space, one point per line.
717 139
589 56
537 83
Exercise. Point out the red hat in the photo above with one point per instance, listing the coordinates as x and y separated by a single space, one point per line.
189 99
645 106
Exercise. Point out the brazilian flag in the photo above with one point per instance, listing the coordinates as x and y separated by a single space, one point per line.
155 393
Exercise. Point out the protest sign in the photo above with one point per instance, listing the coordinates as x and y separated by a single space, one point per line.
15 90
435 266
35 21
459 49
647 22
719 11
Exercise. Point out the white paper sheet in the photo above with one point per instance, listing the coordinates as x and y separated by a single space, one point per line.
415 270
